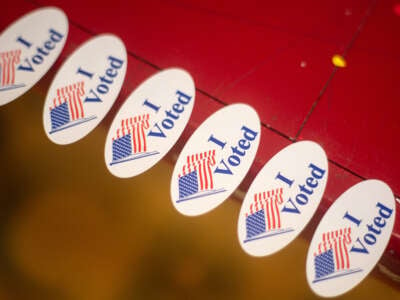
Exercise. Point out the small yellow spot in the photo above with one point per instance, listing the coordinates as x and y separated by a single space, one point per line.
339 61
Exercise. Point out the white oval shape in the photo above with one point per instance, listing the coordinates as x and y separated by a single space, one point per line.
351 238
215 159
149 123
28 48
84 89
282 198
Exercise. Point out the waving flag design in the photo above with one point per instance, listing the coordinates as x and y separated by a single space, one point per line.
333 253
264 213
131 137
196 175
8 63
67 105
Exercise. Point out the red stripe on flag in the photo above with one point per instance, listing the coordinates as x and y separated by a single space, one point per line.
2 69
336 252
205 173
346 252
201 176
135 145
256 205
342 253
278 217
267 208
143 137
209 172
15 60
81 93
82 113
71 108
139 140
123 127
75 101
211 178
273 215
8 67
132 132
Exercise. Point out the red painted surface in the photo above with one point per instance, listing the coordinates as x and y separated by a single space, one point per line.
12 12
329 21
277 58
396 9
381 32
283 88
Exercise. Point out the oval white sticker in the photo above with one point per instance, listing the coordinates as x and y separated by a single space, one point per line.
283 198
215 159
149 123
350 238
28 48
84 89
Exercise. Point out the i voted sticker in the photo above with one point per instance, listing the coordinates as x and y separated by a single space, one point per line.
283 198
350 238
149 123
84 89
215 159
28 48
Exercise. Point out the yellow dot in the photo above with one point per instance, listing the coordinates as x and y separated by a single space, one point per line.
339 61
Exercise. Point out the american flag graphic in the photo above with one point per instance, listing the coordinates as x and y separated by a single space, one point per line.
333 253
8 63
196 175
130 137
264 214
67 105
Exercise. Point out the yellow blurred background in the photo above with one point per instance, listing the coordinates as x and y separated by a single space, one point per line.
70 230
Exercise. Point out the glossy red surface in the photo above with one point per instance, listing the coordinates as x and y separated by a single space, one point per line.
284 87
381 32
330 21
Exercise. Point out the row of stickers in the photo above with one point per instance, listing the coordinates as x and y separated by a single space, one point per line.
280 202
